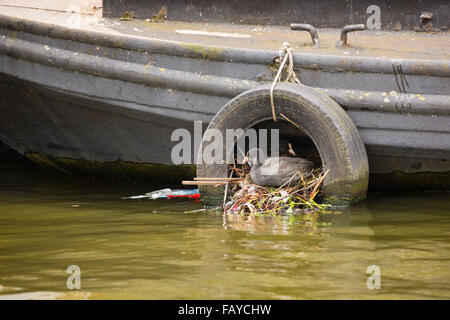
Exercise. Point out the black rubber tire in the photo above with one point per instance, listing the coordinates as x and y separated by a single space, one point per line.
328 125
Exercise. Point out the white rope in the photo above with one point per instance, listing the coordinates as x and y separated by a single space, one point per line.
285 53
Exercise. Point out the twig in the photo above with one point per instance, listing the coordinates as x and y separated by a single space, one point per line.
226 192
292 122
217 179
193 183
314 192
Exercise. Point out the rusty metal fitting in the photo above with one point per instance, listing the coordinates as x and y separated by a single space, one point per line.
307 27
347 29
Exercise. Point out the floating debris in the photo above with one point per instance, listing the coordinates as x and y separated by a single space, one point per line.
196 211
207 210
182 193
168 193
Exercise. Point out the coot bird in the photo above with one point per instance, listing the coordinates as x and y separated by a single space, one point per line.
276 171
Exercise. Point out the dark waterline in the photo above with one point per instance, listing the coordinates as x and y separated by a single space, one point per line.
149 249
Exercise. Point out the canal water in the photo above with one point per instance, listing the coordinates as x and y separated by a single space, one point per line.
153 249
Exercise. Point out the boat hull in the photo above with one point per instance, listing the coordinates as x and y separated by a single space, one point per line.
107 104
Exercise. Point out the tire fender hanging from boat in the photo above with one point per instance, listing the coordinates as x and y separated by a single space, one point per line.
332 131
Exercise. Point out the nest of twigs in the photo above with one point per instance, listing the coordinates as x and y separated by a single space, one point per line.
248 198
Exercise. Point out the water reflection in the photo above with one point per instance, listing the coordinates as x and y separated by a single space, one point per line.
308 223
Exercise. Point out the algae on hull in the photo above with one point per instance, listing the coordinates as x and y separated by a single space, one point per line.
206 52
119 170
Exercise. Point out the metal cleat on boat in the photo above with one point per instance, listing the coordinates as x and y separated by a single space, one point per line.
347 29
307 27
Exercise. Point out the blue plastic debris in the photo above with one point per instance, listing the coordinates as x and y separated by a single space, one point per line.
168 193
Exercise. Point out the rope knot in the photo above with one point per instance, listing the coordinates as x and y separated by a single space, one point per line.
285 47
